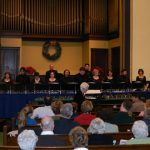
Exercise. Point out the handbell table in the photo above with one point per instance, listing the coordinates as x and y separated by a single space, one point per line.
12 103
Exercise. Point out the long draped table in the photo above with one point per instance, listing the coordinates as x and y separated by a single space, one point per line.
12 103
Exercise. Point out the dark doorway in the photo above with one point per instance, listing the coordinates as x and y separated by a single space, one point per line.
9 60
115 57
99 57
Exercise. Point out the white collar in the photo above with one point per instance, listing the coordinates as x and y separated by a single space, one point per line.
80 148
47 133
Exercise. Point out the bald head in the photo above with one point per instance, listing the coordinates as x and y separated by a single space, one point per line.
47 124
51 67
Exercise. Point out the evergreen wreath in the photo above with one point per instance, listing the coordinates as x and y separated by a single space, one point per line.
47 46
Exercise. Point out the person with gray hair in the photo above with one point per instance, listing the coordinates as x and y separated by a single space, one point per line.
78 138
140 132
47 125
80 96
65 123
47 137
27 140
97 126
96 130
66 110
84 87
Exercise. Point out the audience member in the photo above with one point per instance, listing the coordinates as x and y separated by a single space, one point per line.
140 132
47 125
27 140
96 130
86 116
56 105
46 110
138 105
79 138
47 137
106 115
123 116
65 123
75 110
24 118
147 105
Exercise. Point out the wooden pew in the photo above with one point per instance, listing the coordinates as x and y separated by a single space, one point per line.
103 147
125 127
12 141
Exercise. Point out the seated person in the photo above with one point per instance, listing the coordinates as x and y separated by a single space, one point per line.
78 138
56 105
47 137
43 111
123 116
147 105
24 118
22 77
75 110
140 132
85 117
141 76
65 123
96 136
138 105
7 78
27 140
106 115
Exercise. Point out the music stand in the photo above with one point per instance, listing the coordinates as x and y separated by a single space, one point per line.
39 87
18 87
54 86
72 86
5 87
137 85
106 85
122 85
94 85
